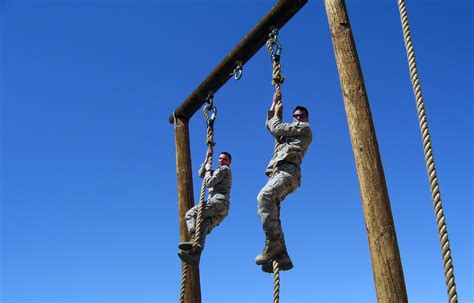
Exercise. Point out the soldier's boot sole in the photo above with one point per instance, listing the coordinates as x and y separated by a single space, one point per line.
284 263
270 250
188 245
185 245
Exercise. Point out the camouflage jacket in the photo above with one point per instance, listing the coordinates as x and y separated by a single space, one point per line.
293 140
218 181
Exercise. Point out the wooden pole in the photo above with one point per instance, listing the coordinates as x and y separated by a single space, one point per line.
278 16
386 263
185 201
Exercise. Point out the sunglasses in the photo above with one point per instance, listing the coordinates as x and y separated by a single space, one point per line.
298 116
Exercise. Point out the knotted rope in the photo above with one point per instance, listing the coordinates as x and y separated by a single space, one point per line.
274 48
430 164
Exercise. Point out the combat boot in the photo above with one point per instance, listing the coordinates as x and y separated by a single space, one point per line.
271 249
191 259
187 245
283 260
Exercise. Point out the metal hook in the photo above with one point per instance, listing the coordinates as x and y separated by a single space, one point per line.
273 34
237 73
210 110
275 45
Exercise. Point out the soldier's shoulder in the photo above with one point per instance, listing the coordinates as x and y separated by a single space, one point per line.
303 126
225 168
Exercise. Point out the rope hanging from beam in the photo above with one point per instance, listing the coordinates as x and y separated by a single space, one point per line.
209 107
274 48
430 164
210 114
184 276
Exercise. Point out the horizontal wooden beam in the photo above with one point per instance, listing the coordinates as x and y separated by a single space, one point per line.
277 17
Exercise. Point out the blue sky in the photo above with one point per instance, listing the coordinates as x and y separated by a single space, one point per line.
88 178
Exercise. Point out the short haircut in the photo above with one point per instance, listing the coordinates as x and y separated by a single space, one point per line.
302 108
227 154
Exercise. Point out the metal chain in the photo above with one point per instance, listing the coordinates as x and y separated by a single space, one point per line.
430 164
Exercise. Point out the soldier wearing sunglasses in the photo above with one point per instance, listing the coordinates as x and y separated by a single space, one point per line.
283 170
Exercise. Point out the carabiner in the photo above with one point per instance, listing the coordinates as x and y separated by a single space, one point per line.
210 110
275 45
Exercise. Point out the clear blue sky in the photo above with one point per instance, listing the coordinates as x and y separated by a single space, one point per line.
88 178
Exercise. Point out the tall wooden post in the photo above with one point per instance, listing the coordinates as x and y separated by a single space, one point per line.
185 201
386 263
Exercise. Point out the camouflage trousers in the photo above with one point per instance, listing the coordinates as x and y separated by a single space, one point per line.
215 210
283 182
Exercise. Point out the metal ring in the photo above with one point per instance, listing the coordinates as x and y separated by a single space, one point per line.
212 113
237 73
273 34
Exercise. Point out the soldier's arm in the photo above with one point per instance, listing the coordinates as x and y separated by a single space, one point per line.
274 110
270 115
202 171
279 129
213 178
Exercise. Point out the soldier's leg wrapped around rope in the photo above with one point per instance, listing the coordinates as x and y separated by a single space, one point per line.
215 210
285 181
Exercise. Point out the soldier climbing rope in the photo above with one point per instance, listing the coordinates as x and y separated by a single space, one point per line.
195 246
274 47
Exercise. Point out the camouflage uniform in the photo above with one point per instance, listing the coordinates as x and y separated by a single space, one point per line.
216 208
293 140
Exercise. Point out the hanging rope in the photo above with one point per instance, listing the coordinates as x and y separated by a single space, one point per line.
274 48
276 282
208 108
210 113
184 276
430 164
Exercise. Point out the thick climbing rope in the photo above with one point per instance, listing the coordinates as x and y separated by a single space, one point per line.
184 276
276 282
210 113
274 48
209 107
430 164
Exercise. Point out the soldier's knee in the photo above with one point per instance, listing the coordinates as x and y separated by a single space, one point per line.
189 215
263 196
